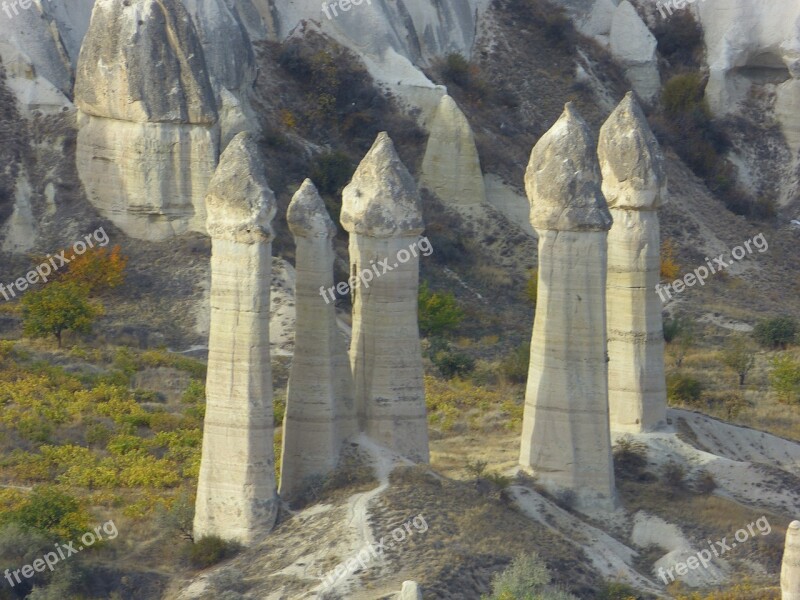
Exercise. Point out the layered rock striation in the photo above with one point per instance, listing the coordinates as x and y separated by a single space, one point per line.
145 152
381 211
634 185
320 407
565 432
236 494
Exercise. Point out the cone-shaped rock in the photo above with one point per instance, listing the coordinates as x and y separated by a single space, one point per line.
236 494
790 569
133 50
381 211
451 167
634 182
320 408
148 142
565 434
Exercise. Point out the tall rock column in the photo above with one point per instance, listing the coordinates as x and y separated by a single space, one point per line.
565 434
236 494
320 408
381 211
634 183
790 569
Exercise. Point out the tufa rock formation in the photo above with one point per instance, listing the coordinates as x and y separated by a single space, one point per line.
634 47
320 409
236 495
634 183
790 568
410 591
565 431
451 168
145 156
231 63
381 211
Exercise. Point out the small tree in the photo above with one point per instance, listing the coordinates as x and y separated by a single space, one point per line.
438 313
57 307
739 357
785 379
679 333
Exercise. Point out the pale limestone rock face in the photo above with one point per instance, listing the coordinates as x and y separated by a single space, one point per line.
148 178
145 155
236 493
37 66
563 175
231 63
320 407
410 591
451 167
634 183
381 211
790 569
565 433
748 42
141 61
634 47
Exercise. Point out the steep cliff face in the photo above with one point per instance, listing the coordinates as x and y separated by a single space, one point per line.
754 44
145 156
37 65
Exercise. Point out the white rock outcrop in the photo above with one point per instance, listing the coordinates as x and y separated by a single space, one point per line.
381 211
451 167
37 65
634 47
634 185
320 407
753 42
790 568
565 430
236 494
410 591
145 155
230 60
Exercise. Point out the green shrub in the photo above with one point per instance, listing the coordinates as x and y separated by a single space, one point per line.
680 39
330 172
704 482
211 550
684 96
777 332
532 287
527 578
455 69
49 510
450 363
439 313
784 378
630 458
194 393
515 365
673 475
684 389
615 590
